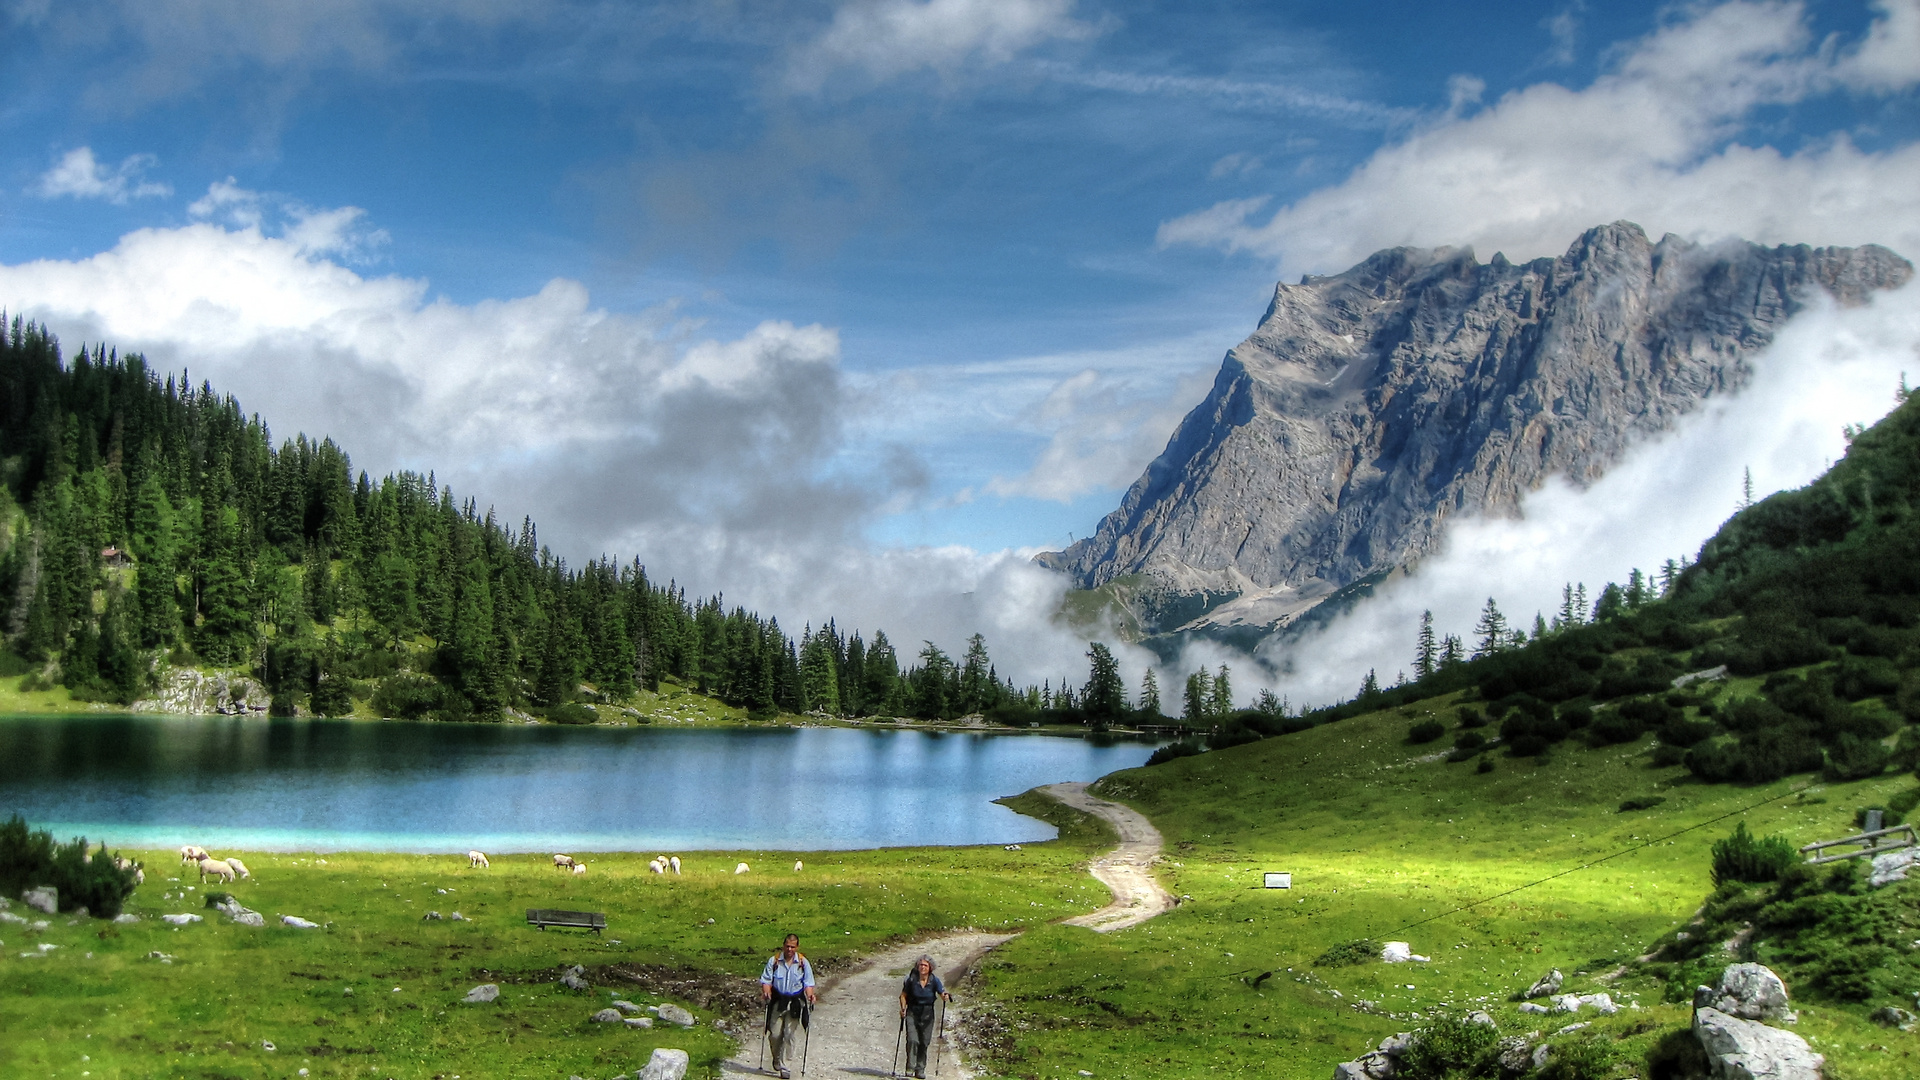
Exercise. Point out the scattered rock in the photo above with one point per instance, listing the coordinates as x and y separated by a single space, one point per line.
1396 1046
1570 1028
457 917
8 916
665 1064
1600 1003
1566 1003
160 956
1399 952
46 898
1547 986
1893 1016
1481 1018
626 1006
674 1014
639 1021
1541 1055
431 916
299 923
267 1045
608 1016
574 982
126 917
1748 992
250 918
740 868
483 993
1530 1007
1515 1054
1891 867
1374 1066
1748 1050
181 920
196 693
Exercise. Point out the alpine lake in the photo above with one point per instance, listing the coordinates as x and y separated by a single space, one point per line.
286 784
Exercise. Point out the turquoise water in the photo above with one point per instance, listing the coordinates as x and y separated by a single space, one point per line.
330 785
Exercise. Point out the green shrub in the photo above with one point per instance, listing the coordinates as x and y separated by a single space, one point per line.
1485 766
1425 731
1349 954
1744 857
26 856
1901 805
1447 1046
571 713
1666 755
1183 748
1586 1057
1576 717
1471 717
407 696
1645 802
1856 759
1614 727
1682 732
332 696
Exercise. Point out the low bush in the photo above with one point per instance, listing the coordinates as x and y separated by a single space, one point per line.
1183 748
1349 954
1853 758
1665 756
1682 732
1425 731
1615 726
1576 717
332 696
1645 802
1448 1046
29 858
1485 766
407 696
1745 857
571 713
1588 1056
1472 718
1757 757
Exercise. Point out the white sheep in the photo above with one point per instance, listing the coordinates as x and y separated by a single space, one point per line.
741 868
238 866
477 859
656 867
798 866
192 854
218 869
579 868
563 862
675 863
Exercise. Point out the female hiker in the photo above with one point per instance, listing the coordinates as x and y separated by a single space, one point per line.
917 996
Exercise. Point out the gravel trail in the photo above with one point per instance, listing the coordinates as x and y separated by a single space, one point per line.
1127 869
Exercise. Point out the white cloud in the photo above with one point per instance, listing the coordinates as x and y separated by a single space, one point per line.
78 174
336 231
1826 369
1652 140
1102 432
886 38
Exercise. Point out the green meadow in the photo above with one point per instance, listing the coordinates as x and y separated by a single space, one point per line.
1385 843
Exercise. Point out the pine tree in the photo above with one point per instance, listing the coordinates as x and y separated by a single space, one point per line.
1452 651
1105 696
1491 629
819 679
1220 702
1197 703
1370 686
1150 693
1426 653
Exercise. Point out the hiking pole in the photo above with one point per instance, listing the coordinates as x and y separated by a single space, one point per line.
806 1042
942 1036
891 1070
765 1030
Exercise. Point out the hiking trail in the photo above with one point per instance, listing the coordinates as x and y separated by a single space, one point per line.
1127 869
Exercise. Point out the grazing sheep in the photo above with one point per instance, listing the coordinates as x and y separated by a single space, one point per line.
563 862
238 866
579 868
798 866
675 863
139 876
477 860
192 854
656 867
741 868
217 868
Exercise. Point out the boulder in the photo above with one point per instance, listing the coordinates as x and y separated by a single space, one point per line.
1891 867
126 917
626 1006
1530 1007
608 1016
1396 952
1893 1016
457 917
574 982
8 916
1748 1050
430 916
181 920
1600 1003
1396 1046
484 993
665 1064
46 898
674 1014
1746 991
1375 1066
1547 985
1566 1003
1514 1053
638 1021
250 918
299 923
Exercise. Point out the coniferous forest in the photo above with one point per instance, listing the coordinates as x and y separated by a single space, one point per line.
152 525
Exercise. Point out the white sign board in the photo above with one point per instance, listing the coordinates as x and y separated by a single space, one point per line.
1279 881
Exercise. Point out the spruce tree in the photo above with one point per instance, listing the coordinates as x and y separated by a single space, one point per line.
1220 701
1150 693
1196 704
1491 629
1105 696
1426 651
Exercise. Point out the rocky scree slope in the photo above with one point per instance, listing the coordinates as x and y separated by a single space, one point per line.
1370 406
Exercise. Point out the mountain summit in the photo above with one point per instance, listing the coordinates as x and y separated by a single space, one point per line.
1370 406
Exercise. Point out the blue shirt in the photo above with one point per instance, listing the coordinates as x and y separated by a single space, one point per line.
787 978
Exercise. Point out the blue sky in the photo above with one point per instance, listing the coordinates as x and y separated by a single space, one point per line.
848 281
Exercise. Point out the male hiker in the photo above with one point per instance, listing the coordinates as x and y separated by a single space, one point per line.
786 985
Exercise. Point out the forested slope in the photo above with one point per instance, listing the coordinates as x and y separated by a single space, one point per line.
150 523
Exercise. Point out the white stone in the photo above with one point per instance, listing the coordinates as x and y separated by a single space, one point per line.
608 1016
8 916
126 917
665 1064
1396 952
674 1014
46 898
1566 1003
626 1006
639 1021
1600 1003
299 923
1748 1050
1547 985
181 920
740 868
1530 1007
484 993
1891 867
1746 991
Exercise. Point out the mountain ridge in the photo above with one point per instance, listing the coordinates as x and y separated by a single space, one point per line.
1369 407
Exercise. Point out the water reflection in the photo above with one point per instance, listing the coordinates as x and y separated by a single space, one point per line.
334 785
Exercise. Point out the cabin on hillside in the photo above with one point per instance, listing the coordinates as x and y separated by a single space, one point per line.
113 556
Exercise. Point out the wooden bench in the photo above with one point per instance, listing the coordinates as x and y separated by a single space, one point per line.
595 921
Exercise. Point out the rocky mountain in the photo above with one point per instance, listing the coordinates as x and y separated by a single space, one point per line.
1370 406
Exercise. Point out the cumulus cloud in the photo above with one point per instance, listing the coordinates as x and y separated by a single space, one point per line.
334 231
1826 369
1101 432
716 461
883 39
79 175
1654 140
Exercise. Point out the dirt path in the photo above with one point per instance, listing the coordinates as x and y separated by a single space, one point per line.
1127 869
857 1023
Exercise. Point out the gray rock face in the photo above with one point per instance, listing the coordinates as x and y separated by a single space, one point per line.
1371 406
1891 867
665 1064
484 993
1746 1050
46 898
1746 991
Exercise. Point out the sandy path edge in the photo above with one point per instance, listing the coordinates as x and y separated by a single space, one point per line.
1127 869
856 1026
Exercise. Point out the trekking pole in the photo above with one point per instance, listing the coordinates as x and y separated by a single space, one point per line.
891 1070
806 1042
942 1036
766 1029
